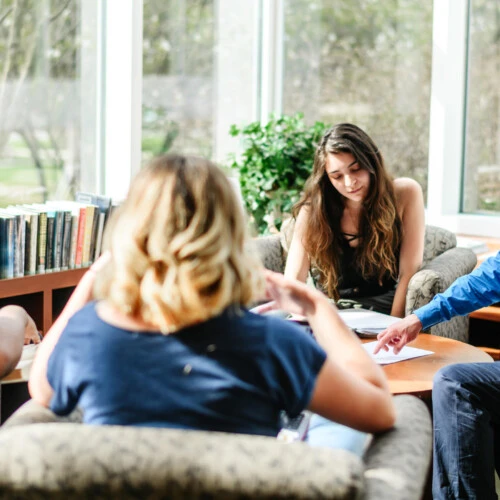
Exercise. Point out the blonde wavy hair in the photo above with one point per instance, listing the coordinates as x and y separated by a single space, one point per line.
180 252
380 227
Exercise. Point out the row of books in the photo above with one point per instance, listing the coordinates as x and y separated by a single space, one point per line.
52 236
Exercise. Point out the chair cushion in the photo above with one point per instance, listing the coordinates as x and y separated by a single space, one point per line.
67 460
271 252
437 241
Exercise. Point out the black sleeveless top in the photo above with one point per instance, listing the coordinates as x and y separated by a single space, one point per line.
351 283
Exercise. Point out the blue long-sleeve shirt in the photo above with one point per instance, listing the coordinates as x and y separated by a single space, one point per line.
478 289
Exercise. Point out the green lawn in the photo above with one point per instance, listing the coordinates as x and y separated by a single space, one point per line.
19 180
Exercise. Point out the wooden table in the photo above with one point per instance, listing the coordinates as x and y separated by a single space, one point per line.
414 376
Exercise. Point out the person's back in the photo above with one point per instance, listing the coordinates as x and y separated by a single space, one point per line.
225 374
171 329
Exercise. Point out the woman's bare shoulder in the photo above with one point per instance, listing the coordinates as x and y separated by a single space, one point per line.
405 187
303 215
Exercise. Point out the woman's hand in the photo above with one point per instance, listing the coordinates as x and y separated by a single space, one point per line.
264 308
291 295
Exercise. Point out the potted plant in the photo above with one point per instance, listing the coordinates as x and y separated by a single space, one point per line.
276 160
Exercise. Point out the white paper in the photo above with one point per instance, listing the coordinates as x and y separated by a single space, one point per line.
388 357
27 356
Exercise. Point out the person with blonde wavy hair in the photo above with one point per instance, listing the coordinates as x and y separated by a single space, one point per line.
164 314
360 232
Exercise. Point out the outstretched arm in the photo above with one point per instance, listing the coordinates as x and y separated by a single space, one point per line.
39 387
15 325
361 398
399 334
478 289
297 262
411 206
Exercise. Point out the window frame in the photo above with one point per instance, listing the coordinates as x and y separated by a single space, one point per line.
122 84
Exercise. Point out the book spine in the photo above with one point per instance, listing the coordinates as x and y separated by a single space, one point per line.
93 238
74 237
27 244
17 246
42 241
33 244
89 218
100 231
66 240
80 236
3 248
57 243
49 264
10 246
22 244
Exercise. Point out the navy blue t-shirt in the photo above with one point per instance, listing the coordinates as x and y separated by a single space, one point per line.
233 373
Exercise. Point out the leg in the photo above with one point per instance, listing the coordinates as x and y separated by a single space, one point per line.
323 432
466 410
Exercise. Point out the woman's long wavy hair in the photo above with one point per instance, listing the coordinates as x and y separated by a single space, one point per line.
379 226
180 253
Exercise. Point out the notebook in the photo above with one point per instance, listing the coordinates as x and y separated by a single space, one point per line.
364 322
367 323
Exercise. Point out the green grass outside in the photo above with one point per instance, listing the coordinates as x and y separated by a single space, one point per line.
18 177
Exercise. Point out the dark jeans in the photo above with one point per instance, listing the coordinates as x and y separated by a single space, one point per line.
466 413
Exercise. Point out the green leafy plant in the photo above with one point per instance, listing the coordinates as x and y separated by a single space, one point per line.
276 161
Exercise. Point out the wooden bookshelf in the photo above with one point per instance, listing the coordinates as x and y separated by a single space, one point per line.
42 295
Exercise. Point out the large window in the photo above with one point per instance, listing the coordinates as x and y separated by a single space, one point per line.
368 63
42 139
482 139
198 67
178 67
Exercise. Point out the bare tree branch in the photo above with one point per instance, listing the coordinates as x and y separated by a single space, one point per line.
61 10
34 147
4 16
64 35
8 50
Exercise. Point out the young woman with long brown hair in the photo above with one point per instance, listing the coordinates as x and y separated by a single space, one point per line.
360 232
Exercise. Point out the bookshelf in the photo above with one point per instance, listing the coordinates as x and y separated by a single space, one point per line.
42 295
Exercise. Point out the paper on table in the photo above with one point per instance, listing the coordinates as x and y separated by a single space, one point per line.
27 356
386 358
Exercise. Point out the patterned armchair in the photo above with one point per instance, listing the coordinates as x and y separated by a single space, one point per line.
44 456
443 262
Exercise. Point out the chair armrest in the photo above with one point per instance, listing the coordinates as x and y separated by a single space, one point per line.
129 462
67 460
397 462
34 413
271 252
437 276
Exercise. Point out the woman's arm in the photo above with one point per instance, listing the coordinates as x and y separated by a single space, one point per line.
39 387
15 326
297 262
350 388
410 201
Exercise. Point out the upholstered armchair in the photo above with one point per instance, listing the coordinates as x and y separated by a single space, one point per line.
44 456
443 262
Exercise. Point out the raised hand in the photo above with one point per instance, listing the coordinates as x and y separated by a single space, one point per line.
291 295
